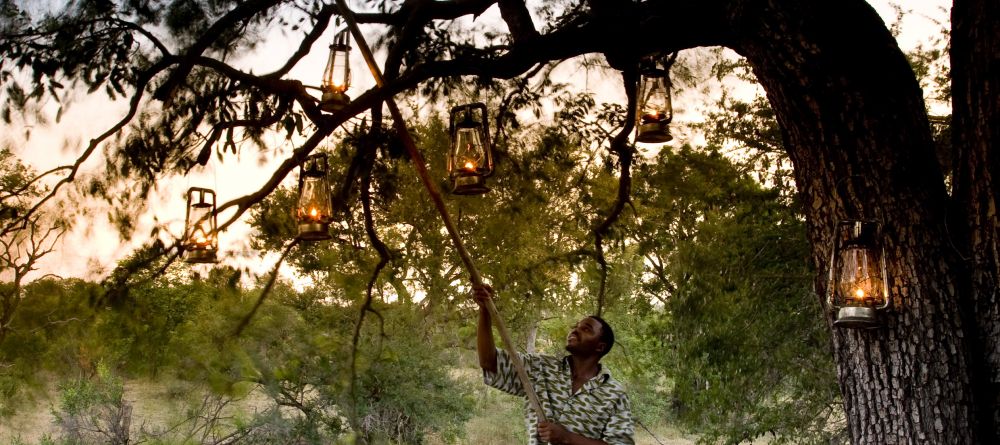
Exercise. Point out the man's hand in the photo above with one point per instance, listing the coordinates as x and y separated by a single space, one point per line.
482 293
485 347
553 433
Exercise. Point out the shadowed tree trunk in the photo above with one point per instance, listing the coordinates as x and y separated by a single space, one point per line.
854 125
975 68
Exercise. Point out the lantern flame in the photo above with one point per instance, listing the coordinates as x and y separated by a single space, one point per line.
653 116
470 166
201 240
859 293
313 213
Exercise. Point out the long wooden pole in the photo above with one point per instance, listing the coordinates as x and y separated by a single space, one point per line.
421 166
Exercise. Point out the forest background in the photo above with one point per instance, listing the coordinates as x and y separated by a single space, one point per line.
709 249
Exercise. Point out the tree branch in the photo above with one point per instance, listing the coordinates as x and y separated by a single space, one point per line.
519 22
619 145
267 287
243 11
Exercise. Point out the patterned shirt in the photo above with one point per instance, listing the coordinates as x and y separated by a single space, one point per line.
599 410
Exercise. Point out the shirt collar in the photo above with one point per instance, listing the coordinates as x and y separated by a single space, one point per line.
602 373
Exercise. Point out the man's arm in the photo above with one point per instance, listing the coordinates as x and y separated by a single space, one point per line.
485 346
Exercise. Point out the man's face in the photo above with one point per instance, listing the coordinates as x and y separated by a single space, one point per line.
585 338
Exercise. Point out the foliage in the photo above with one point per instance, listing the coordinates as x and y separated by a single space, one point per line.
745 339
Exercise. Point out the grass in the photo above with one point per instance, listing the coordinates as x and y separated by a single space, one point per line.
498 418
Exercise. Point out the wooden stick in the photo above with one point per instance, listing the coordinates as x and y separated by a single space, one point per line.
420 164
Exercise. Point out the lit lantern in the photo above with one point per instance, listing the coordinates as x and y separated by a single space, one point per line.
858 286
314 212
655 110
470 160
337 75
201 240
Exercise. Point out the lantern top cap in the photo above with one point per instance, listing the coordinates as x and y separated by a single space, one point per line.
314 165
468 122
341 42
468 119
203 190
657 65
201 197
860 232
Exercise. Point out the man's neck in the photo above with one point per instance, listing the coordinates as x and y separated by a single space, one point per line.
584 367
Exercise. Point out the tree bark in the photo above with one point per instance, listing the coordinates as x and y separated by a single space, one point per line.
975 70
529 343
855 127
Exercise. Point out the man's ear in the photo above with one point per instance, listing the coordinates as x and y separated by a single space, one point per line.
601 347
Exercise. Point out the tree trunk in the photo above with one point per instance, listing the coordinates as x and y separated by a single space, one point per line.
975 62
529 346
854 125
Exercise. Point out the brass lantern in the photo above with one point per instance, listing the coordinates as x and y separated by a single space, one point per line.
470 160
337 75
858 287
314 211
655 110
201 240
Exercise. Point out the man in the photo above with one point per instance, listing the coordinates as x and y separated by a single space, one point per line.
583 404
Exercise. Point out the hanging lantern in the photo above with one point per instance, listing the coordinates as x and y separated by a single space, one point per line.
858 286
314 211
201 241
655 110
470 160
337 75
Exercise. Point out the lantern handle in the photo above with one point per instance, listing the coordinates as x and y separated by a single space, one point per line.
421 167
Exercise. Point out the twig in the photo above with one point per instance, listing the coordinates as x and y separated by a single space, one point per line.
267 288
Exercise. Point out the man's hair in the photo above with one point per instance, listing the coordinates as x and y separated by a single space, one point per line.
607 335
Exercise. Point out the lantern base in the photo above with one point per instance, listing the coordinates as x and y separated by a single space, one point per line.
314 231
856 317
469 185
200 256
654 133
333 101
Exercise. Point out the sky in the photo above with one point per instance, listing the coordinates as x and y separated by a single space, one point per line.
92 248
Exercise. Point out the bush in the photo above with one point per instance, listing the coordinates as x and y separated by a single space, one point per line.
94 410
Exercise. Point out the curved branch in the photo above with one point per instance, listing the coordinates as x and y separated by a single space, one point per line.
143 80
322 22
244 11
436 10
619 145
217 130
28 184
244 202
145 33
267 288
384 257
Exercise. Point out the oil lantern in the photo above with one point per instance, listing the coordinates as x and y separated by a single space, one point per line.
337 75
201 240
655 110
470 160
314 211
858 287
